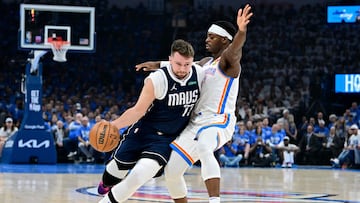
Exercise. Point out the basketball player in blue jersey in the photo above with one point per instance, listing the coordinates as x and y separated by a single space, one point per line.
162 111
213 120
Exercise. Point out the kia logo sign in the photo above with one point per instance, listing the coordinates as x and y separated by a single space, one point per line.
33 143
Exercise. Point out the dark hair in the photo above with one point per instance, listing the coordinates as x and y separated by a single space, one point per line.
229 27
183 47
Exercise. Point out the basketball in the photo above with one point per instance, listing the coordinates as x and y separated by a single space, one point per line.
104 137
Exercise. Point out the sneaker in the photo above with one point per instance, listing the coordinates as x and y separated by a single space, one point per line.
283 165
102 189
335 161
71 154
91 159
289 165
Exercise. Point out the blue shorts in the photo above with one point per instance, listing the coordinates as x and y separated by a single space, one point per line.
142 143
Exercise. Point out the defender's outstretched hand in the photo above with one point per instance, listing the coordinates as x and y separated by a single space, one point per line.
243 17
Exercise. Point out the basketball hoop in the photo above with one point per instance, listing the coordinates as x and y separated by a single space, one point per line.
59 49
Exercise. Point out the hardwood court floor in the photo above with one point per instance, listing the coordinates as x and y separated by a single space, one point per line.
77 183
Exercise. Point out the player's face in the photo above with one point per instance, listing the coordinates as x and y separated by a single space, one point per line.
180 65
213 43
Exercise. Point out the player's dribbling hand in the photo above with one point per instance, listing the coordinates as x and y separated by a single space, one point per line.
243 17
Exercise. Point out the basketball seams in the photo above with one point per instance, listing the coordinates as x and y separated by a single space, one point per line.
102 125
107 134
96 138
105 137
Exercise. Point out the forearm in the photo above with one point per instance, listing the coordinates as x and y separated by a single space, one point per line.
238 42
247 151
148 66
129 117
234 51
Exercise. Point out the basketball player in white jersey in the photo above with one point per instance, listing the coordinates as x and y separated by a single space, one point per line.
213 122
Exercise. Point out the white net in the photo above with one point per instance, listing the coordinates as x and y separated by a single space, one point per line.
59 49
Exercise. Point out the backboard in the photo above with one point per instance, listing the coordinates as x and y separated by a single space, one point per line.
40 23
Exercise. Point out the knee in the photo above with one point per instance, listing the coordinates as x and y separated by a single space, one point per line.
204 150
171 174
110 180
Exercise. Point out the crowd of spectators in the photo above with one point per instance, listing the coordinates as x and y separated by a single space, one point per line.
290 58
313 142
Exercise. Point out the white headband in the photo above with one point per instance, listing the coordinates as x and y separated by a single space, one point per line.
220 31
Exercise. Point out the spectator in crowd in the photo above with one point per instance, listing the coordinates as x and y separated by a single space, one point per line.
242 108
266 127
68 119
341 129
332 145
287 152
60 133
310 147
228 155
260 154
349 119
355 111
291 130
302 128
312 122
258 131
275 138
47 123
347 156
6 132
71 142
53 121
319 119
321 130
241 139
249 126
332 120
92 118
260 109
83 137
284 120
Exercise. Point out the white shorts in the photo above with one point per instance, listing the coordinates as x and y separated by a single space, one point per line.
219 126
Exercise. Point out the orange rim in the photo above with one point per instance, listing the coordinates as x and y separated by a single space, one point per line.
58 43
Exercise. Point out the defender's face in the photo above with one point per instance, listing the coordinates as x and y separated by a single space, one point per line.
213 42
180 65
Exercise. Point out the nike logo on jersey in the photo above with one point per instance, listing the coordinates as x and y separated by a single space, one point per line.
210 71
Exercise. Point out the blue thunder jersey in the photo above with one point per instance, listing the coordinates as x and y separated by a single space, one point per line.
170 115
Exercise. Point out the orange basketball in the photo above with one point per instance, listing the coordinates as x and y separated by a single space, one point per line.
104 137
